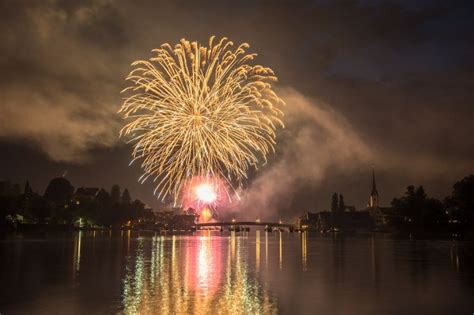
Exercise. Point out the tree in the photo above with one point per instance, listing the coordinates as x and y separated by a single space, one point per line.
8 207
126 196
40 208
15 190
115 193
417 210
342 206
28 190
334 203
103 196
460 204
59 191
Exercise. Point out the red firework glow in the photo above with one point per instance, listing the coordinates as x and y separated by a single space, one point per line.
204 194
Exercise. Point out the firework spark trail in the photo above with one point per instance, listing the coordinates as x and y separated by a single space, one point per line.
200 111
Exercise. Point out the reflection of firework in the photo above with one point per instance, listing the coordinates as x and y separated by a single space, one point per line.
200 111
204 265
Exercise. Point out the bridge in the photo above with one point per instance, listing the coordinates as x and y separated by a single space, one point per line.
246 223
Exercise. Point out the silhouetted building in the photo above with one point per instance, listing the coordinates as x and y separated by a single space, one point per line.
328 220
86 193
183 222
360 221
307 221
350 208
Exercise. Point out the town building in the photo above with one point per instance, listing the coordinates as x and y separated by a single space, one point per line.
347 218
86 193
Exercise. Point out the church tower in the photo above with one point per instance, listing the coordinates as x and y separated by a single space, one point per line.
374 195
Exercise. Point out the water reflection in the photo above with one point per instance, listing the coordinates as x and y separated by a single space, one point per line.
266 248
454 255
203 268
133 286
375 264
280 250
304 250
292 273
257 250
77 253
193 275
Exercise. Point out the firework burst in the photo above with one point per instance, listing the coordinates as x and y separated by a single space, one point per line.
196 111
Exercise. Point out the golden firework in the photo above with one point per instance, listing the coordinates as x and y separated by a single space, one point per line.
200 111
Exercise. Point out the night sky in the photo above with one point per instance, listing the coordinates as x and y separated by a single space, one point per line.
388 83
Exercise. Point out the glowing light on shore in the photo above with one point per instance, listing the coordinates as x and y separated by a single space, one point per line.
205 215
197 111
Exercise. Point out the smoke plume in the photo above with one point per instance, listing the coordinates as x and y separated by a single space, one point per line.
316 139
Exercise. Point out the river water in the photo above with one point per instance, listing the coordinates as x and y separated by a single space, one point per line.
226 273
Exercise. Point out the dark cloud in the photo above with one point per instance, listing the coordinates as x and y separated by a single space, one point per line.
58 91
394 79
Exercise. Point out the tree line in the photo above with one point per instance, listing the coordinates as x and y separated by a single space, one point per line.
415 210
62 204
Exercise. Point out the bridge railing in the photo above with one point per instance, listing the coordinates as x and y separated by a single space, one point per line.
245 223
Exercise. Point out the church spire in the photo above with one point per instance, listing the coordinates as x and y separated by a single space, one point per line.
374 195
374 187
